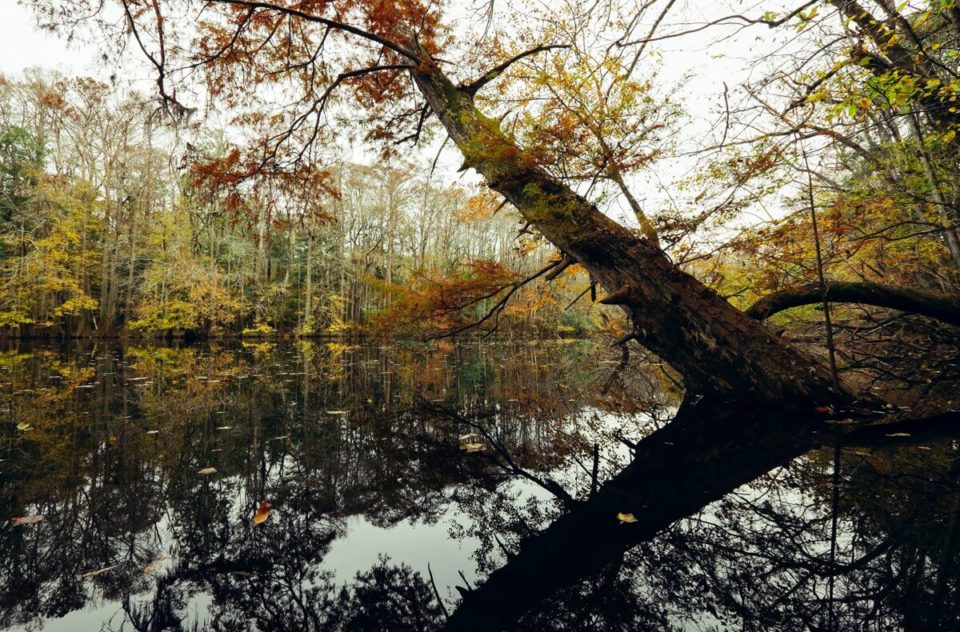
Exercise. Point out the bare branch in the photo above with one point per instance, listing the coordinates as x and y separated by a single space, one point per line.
472 87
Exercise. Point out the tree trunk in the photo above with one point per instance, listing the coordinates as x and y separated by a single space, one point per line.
718 349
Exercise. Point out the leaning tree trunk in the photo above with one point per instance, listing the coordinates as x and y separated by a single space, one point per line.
718 349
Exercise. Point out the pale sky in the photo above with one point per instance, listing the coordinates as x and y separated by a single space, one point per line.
23 45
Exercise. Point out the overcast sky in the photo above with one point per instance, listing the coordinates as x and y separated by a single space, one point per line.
23 45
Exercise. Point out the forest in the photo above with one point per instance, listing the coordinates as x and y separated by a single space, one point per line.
110 229
650 307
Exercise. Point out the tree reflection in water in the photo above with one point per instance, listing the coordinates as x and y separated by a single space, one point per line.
108 444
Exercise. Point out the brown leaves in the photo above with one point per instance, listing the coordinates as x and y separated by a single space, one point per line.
261 183
262 513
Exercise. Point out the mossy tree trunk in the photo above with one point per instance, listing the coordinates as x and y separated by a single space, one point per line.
719 350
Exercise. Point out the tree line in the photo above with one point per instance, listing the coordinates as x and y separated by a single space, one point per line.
110 224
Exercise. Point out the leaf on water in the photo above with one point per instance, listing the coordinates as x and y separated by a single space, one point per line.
337 412
24 426
472 447
626 518
898 434
152 432
99 571
154 565
207 471
27 519
280 438
262 513
224 427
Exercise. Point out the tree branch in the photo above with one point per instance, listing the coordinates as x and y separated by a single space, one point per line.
340 26
942 307
472 87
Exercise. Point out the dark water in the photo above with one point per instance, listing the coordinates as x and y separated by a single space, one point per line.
384 466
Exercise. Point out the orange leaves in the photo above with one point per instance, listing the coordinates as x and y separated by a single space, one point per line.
393 19
262 513
437 303
255 185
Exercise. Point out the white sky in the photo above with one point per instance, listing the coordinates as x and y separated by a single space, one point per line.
23 45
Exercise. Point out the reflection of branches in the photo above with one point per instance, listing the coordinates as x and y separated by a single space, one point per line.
507 463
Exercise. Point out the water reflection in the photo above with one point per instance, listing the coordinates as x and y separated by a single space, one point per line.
158 457
148 465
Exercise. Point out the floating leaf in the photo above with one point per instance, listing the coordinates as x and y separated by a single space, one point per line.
626 518
262 513
224 427
472 447
898 434
207 471
24 426
337 412
154 565
99 571
27 519
153 432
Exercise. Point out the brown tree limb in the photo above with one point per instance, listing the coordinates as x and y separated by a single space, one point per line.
942 307
475 85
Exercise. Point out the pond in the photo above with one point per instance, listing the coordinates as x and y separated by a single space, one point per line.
312 485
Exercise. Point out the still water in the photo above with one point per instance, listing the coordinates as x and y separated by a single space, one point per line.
313 486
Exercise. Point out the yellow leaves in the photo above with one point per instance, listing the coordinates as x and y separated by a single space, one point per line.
471 442
479 207
207 471
262 513
626 518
